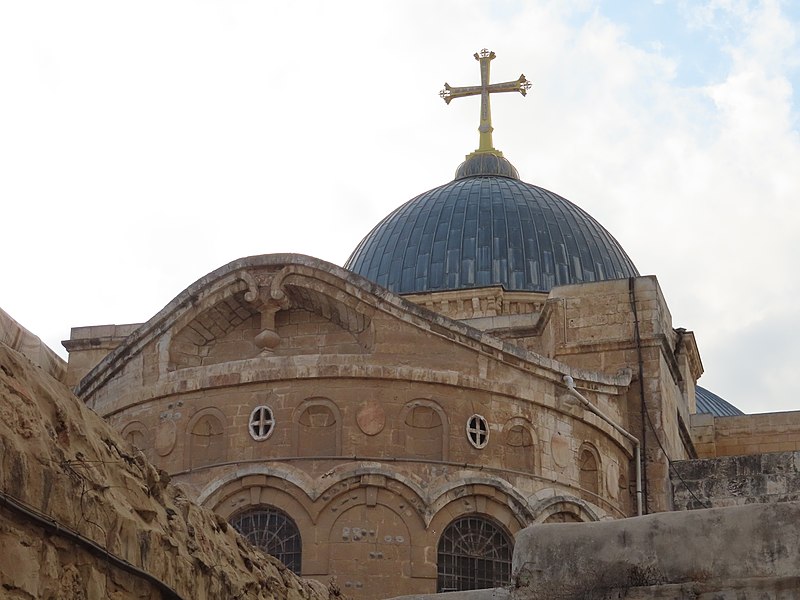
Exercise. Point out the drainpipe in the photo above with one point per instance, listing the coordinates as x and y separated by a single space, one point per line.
570 383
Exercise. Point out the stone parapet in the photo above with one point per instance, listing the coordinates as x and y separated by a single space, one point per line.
748 551
746 434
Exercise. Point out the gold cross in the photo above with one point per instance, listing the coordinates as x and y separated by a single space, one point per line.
521 85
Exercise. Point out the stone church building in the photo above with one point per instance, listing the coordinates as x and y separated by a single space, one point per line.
395 422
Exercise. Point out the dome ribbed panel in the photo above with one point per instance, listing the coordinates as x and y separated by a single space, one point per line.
482 231
708 402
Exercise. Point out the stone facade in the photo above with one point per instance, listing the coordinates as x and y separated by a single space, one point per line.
285 382
746 435
374 424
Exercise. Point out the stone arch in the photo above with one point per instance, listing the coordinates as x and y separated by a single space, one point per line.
206 432
137 435
474 552
301 483
589 469
472 493
247 490
204 336
367 519
424 430
520 446
251 489
560 509
317 428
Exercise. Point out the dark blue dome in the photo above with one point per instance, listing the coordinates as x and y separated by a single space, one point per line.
483 230
708 402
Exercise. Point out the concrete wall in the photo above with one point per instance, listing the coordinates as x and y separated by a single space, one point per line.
748 551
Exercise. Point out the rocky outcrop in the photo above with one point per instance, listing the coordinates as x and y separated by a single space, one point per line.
83 515
16 337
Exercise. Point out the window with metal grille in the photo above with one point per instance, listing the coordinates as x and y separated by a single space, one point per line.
474 554
272 531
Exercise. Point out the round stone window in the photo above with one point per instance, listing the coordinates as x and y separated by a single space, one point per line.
261 423
477 431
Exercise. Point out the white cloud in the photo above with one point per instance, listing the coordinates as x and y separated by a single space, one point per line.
146 144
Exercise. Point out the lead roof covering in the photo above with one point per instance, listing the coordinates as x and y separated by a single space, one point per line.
484 231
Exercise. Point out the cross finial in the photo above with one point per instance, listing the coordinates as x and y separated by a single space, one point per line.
521 85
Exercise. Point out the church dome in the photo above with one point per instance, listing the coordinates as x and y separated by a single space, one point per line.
708 402
488 228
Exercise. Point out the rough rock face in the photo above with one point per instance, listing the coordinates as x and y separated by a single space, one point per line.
84 516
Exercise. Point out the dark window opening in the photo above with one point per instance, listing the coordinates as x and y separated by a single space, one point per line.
272 531
474 554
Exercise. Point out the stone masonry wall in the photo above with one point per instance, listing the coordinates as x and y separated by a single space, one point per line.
736 480
593 326
746 434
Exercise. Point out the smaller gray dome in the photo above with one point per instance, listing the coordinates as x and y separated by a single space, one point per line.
709 403
486 163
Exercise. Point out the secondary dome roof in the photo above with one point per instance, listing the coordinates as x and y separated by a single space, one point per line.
487 227
709 402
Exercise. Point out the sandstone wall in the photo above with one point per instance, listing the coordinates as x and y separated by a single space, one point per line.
87 346
593 326
746 434
288 384
736 480
85 516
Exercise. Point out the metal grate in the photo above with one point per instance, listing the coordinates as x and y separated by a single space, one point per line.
474 554
274 532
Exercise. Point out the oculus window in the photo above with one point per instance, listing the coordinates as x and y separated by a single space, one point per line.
262 423
478 431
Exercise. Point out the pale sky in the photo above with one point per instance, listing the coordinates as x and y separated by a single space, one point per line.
144 144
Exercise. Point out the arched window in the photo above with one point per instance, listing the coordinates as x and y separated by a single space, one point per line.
474 554
520 446
318 430
206 440
135 434
424 431
590 469
273 531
